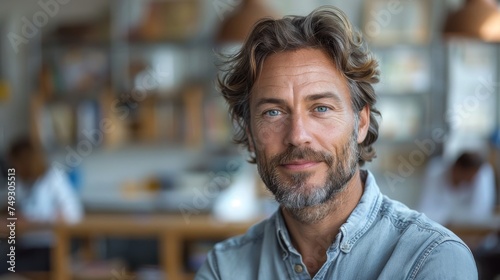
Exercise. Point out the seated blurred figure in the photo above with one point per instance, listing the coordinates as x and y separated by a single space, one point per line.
463 192
44 195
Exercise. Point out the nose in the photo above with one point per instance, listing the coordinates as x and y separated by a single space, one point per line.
297 132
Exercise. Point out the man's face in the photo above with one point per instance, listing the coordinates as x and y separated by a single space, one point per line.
303 128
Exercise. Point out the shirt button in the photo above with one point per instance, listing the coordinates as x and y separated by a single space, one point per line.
299 268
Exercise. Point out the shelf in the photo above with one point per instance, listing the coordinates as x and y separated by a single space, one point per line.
73 97
196 42
65 44
156 95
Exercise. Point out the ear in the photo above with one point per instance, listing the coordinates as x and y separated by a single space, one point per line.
251 143
364 123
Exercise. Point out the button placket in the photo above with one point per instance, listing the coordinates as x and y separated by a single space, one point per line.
298 268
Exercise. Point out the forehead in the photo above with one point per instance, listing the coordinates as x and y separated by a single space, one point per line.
304 69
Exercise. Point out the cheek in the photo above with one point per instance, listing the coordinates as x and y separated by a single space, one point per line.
331 133
268 134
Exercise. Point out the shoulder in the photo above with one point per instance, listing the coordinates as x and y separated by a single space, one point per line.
413 228
56 174
438 252
485 173
255 234
445 258
403 217
54 179
237 256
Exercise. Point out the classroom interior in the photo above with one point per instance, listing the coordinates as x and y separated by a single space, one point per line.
121 96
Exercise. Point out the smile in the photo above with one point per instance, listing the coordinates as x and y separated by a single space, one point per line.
300 165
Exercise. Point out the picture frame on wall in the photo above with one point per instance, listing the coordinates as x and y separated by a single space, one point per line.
387 22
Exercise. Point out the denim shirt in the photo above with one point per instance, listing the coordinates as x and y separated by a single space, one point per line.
381 239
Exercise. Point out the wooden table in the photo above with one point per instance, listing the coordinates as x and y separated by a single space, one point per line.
171 231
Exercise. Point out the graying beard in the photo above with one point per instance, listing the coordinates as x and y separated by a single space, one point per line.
315 206
292 200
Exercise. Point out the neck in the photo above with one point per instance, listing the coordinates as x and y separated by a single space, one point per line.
313 239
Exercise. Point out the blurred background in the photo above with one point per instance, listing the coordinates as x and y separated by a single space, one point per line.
120 97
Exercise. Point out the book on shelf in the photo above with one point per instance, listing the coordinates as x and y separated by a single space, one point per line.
45 129
61 124
75 71
193 116
87 123
216 121
167 122
62 119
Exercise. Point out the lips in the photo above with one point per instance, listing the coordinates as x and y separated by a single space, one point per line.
299 164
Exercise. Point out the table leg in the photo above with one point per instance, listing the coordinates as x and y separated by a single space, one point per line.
60 255
171 256
88 250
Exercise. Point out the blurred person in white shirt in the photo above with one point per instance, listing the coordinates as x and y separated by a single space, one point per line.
462 192
44 196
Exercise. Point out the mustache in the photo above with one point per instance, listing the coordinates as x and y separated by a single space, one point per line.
295 153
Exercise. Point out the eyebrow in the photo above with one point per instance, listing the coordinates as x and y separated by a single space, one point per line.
277 101
323 95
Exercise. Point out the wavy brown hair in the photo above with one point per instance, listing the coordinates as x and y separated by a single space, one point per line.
326 28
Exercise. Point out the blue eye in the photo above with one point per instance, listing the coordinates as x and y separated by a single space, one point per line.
321 109
272 113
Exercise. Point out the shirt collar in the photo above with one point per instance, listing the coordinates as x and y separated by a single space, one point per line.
282 234
356 225
363 216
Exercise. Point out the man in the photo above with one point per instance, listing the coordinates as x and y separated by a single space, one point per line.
301 91
43 196
459 193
